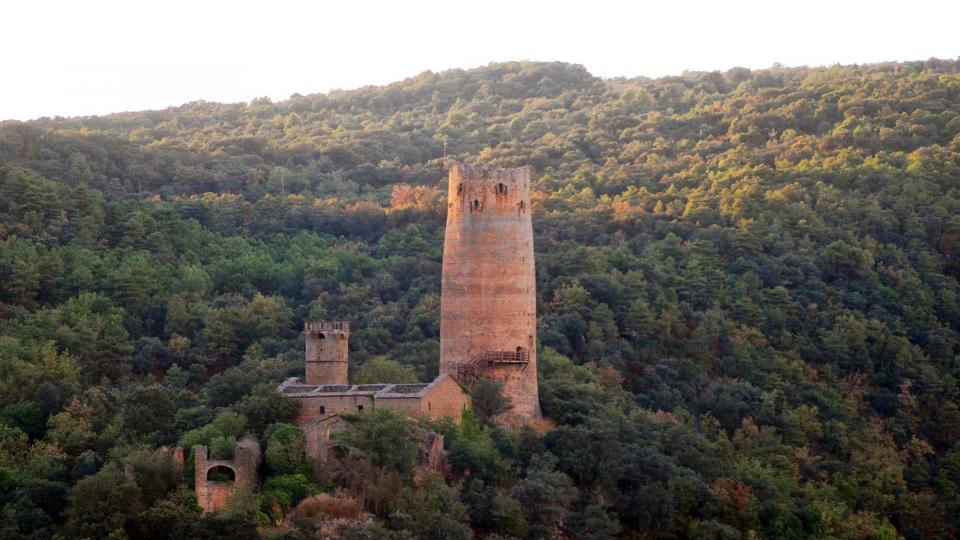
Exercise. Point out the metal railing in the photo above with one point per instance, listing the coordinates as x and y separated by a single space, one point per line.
482 364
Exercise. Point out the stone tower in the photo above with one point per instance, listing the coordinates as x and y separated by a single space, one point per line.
488 307
327 351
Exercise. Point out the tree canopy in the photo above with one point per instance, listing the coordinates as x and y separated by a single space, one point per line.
746 290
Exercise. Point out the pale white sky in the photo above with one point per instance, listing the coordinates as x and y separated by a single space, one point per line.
94 57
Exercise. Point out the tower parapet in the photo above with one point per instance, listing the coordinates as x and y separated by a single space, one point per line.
327 351
488 298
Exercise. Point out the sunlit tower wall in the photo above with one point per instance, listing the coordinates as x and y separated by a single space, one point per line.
327 344
488 305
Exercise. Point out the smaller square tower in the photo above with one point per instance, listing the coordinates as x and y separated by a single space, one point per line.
327 351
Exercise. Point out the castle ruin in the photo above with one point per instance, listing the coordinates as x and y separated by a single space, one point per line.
488 329
323 405
487 319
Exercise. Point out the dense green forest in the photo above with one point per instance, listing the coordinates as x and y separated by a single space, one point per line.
747 293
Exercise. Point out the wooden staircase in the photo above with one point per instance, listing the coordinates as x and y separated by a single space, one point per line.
483 363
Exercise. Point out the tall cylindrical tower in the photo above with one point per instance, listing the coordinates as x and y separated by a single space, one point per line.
488 307
327 351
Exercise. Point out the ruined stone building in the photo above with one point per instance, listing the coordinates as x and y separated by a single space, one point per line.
487 319
325 395
488 329
215 480
488 306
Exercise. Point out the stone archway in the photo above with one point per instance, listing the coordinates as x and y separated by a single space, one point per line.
221 473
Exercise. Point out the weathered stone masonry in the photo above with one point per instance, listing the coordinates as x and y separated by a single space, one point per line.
488 309
323 405
327 351
212 477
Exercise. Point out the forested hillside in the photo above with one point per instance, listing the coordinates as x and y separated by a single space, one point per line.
747 290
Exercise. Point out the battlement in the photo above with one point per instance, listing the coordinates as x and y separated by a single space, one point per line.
476 191
326 326
490 175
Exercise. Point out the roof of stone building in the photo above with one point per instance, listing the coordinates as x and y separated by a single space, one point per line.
294 387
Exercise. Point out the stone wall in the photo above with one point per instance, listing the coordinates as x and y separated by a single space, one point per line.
333 403
488 297
215 494
317 431
319 415
445 397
